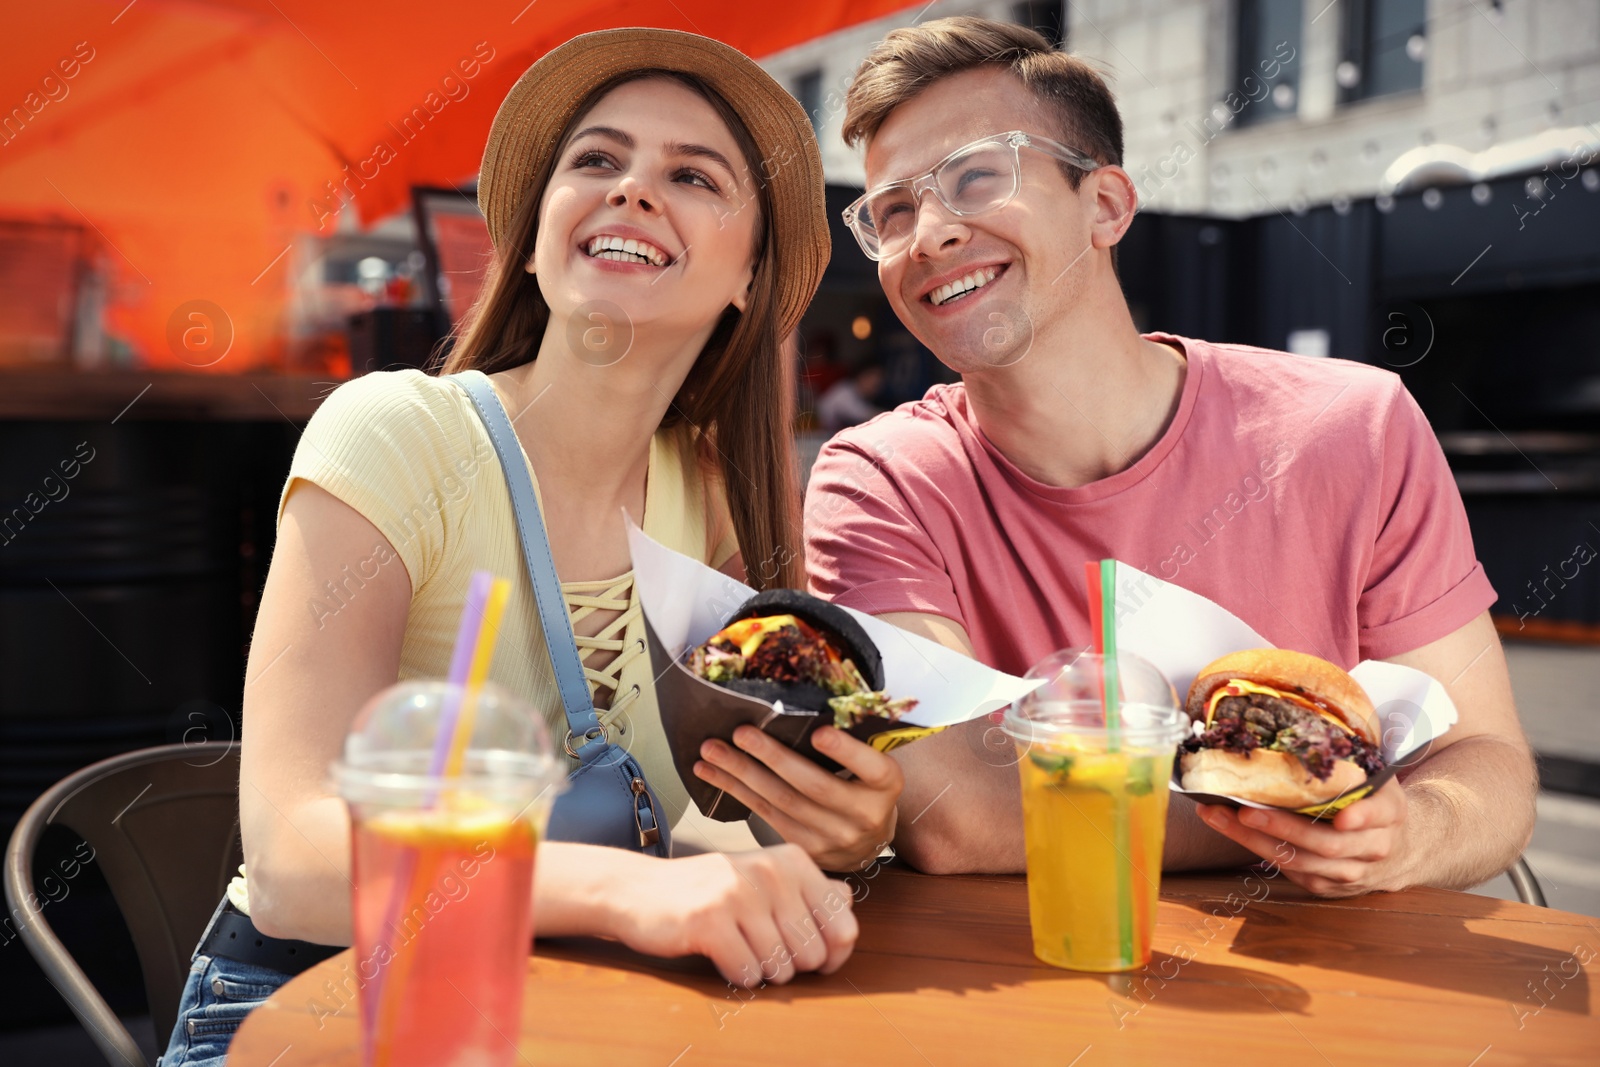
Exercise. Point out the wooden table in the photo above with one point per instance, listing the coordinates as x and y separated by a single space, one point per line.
1247 970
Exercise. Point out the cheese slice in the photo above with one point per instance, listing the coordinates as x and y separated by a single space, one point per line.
749 633
1239 687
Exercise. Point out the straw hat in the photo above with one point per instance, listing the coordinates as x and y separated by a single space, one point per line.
539 106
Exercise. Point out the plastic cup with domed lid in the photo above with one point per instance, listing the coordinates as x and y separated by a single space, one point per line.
444 838
1094 800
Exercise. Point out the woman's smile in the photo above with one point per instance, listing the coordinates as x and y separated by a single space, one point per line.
623 249
613 249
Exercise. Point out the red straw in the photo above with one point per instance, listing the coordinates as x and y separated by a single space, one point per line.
1091 580
1097 643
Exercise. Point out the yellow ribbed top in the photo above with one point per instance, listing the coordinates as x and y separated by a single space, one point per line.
409 453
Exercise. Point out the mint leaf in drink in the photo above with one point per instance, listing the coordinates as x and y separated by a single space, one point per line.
1141 777
1052 763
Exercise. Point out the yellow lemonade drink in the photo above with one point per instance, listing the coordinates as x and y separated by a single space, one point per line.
1092 883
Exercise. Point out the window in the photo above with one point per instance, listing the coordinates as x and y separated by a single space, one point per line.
1266 61
1049 17
1383 47
808 90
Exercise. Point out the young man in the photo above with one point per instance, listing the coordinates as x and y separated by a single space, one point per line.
1309 497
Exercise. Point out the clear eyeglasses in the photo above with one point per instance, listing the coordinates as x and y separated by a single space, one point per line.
976 178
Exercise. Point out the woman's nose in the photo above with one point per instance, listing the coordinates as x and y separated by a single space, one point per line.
631 188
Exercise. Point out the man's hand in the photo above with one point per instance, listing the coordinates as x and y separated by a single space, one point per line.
1457 815
759 916
841 823
1363 848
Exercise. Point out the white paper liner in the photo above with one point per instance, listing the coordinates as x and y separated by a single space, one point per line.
688 601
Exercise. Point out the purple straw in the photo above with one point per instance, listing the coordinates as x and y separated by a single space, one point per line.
460 665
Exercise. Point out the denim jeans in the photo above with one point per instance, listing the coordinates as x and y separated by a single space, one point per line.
218 995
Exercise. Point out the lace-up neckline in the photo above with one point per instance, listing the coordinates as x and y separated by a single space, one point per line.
607 653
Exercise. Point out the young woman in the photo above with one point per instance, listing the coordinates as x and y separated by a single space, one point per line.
656 206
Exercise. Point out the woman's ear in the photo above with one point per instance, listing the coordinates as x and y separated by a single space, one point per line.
741 296
529 267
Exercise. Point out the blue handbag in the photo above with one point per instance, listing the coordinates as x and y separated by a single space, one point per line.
607 801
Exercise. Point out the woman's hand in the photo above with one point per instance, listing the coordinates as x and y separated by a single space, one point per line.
760 916
841 823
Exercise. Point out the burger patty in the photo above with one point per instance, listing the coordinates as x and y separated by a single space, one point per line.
786 655
1256 720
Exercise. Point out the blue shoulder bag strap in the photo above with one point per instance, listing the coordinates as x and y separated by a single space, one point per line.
589 788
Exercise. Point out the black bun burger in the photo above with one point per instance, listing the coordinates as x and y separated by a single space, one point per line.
786 645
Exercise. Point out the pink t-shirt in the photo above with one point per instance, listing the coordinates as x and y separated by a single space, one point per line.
1307 496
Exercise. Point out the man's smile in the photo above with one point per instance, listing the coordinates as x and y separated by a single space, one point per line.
958 286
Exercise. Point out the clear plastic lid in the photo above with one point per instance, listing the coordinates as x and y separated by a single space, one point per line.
392 756
1071 703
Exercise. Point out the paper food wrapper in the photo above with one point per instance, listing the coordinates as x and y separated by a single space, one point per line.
1182 632
685 602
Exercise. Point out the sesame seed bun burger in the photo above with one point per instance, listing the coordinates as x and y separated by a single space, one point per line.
1280 728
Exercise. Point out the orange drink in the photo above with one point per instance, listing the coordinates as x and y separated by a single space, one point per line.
449 961
442 870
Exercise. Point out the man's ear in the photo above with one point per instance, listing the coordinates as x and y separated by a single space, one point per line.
1116 201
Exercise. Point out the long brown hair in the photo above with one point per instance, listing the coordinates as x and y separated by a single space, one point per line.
737 397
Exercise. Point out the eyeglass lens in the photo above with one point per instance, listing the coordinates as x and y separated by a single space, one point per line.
980 178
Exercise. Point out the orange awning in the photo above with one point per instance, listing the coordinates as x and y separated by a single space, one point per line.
196 138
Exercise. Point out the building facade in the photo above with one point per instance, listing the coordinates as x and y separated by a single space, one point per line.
1235 108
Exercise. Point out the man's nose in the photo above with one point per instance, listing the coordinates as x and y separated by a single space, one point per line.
937 227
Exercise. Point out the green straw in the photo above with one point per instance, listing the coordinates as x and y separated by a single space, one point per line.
1113 709
1108 644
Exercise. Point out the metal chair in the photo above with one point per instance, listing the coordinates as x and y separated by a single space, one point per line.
1525 883
164 826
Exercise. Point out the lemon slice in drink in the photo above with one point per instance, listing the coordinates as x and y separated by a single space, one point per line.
435 827
1105 771
1099 771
